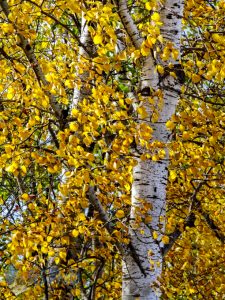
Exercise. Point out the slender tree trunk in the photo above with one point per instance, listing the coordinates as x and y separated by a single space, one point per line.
150 178
85 51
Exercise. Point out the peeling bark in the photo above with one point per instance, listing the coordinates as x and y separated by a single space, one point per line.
150 178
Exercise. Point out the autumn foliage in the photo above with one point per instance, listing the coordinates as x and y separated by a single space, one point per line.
58 159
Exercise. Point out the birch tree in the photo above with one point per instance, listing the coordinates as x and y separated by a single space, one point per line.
89 91
150 177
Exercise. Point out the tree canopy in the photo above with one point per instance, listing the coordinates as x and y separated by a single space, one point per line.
72 122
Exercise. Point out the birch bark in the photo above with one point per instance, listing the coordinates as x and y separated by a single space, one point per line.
150 178
84 54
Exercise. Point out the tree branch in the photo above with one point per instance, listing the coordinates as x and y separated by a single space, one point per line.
62 25
173 237
44 277
197 206
29 52
220 236
94 201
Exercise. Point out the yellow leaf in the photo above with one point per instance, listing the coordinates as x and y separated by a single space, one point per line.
44 250
87 140
155 235
173 74
213 140
127 187
74 112
135 54
173 175
195 78
150 41
49 238
31 206
155 17
10 93
122 55
165 239
186 135
155 157
142 112
148 219
62 254
170 125
181 127
7 28
77 293
117 285
160 69
25 196
24 169
120 214
145 51
51 170
69 83
75 233
73 126
149 5
161 153
81 217
90 156
97 39
192 291
175 54
51 253
3 283
45 102
57 260
184 265
216 37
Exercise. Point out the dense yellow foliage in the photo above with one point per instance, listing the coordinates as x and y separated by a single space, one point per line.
55 240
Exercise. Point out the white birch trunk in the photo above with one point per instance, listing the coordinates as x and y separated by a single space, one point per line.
79 93
85 39
150 178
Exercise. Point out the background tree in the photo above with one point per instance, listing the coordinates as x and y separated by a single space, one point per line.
86 89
